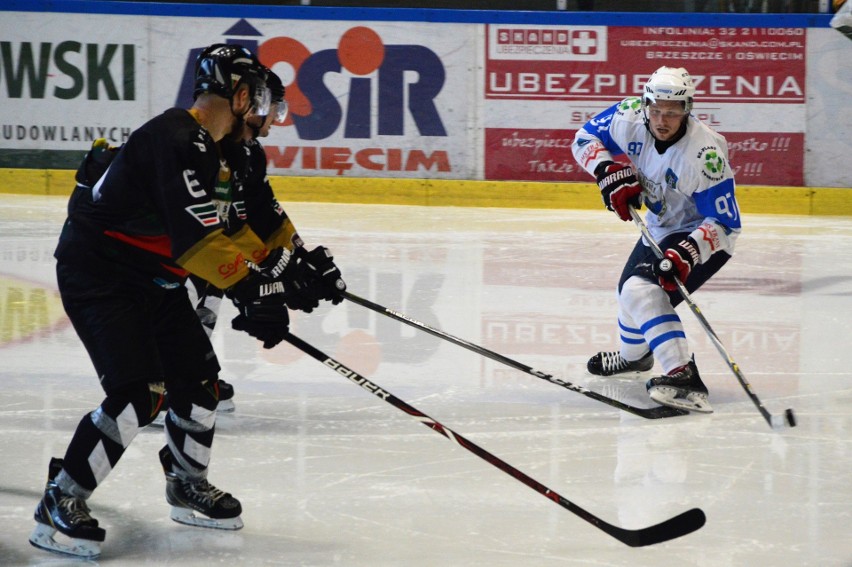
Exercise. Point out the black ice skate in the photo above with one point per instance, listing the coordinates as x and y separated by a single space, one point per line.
188 495
610 363
682 389
68 515
226 397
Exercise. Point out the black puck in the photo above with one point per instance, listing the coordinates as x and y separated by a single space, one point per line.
791 417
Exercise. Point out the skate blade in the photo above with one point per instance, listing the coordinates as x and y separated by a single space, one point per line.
187 517
674 398
42 537
629 375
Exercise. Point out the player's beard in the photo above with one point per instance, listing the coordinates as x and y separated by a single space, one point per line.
236 130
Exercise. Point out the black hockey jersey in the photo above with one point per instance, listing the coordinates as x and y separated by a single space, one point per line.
153 212
266 216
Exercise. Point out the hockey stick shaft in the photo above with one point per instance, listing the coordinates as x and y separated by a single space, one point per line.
680 525
714 338
648 413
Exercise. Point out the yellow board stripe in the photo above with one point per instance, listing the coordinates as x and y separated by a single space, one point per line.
757 199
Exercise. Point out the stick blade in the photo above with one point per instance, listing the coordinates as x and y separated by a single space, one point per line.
660 412
680 525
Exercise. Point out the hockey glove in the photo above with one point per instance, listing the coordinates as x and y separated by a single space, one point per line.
299 295
619 187
291 270
263 313
677 261
275 264
324 276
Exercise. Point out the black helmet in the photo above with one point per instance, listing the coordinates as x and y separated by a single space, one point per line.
276 89
275 86
222 67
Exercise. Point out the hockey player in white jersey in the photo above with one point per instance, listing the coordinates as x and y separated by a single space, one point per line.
678 168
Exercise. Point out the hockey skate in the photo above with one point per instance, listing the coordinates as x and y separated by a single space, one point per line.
188 495
226 397
612 363
58 512
682 389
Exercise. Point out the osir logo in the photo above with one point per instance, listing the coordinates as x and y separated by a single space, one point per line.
355 100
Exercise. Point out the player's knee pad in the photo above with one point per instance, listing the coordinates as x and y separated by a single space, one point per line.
641 298
195 402
649 307
126 410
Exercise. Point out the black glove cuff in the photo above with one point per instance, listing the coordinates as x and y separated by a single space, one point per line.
600 170
690 251
275 263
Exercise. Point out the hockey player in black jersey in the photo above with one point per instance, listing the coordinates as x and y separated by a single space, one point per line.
130 240
255 205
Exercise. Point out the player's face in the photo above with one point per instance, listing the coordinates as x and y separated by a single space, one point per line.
253 122
665 117
267 124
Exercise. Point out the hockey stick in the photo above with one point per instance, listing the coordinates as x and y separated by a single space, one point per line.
682 524
774 421
648 413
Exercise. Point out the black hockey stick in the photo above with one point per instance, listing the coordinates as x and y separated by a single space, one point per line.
682 524
648 413
774 421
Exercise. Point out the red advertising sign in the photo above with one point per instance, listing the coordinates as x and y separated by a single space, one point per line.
745 79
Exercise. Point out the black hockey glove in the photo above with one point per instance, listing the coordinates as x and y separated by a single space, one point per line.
299 295
275 264
619 187
263 313
291 270
677 261
323 275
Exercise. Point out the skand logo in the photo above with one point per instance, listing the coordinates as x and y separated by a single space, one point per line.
373 70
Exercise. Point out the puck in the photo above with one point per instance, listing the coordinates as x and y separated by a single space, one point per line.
790 416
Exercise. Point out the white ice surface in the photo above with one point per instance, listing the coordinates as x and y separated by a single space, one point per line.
329 474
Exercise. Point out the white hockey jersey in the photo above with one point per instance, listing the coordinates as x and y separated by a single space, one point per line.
687 188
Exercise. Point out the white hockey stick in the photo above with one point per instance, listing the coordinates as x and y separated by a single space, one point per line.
774 421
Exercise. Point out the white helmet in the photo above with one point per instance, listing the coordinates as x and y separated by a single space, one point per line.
669 83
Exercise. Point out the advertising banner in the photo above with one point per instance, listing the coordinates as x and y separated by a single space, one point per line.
426 100
750 86
65 81
366 99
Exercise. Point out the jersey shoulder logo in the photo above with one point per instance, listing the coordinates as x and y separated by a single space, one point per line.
632 103
205 213
712 163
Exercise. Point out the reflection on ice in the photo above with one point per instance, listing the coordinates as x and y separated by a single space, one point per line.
330 475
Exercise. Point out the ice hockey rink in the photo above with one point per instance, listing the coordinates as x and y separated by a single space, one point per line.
330 474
